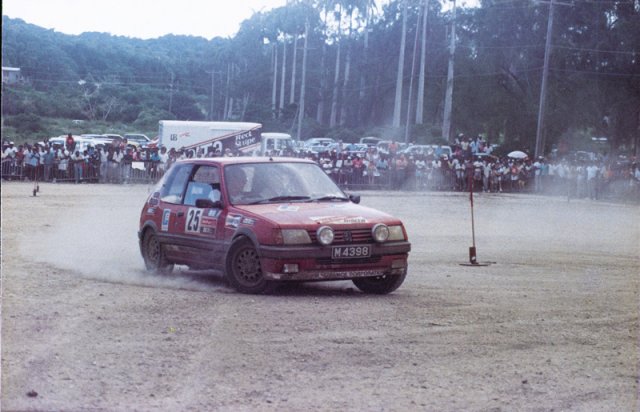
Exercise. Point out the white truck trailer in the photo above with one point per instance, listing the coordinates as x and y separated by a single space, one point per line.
235 136
188 135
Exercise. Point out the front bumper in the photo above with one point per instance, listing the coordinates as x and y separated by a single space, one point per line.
306 263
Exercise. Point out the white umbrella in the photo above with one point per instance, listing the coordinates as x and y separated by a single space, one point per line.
517 154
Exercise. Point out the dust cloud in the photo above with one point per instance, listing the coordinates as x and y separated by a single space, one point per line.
95 236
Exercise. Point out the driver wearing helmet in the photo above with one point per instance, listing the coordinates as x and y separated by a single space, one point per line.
236 180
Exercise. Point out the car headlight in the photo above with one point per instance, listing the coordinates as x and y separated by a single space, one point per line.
295 237
396 233
380 232
325 235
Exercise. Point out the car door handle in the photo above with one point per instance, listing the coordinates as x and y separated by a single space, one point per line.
180 214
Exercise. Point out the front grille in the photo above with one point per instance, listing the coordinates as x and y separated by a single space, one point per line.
357 236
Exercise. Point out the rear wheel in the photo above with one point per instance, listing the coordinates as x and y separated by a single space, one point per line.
379 285
153 254
243 268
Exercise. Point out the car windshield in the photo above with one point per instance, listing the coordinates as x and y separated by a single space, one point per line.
256 183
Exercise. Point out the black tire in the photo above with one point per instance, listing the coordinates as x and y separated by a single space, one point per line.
379 285
243 268
153 254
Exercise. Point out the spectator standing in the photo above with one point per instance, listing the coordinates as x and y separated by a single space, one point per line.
401 163
9 152
421 172
592 179
118 155
70 143
154 160
537 175
458 168
104 163
436 171
393 148
358 170
486 176
372 173
163 161
77 159
48 160
31 161
127 160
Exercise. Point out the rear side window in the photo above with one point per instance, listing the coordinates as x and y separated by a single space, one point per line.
205 184
173 188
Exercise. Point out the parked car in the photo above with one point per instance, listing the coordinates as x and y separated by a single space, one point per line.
140 139
359 149
319 144
427 149
370 141
81 143
262 221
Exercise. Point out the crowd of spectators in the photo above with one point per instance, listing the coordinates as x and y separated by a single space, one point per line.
471 163
467 163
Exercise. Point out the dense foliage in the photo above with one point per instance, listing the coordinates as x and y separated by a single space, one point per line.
350 75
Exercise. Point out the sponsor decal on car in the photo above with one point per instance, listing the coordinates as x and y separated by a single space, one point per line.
248 221
288 208
213 213
233 221
339 220
166 214
207 230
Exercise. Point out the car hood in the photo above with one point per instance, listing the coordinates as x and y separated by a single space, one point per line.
319 213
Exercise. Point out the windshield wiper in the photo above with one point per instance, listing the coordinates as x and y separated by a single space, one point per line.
323 198
280 199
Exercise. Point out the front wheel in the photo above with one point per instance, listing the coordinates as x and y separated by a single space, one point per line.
379 285
243 268
153 254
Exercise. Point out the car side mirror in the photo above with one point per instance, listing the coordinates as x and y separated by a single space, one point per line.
208 204
354 198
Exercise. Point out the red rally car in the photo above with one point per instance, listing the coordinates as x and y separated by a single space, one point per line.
262 221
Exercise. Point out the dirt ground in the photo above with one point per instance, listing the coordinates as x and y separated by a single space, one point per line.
552 325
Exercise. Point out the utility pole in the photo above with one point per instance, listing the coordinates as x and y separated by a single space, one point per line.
423 59
543 87
448 100
211 100
304 80
407 126
397 109
171 92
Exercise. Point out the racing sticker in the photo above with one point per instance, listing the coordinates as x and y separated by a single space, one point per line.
192 223
208 225
248 221
213 212
339 220
233 221
288 208
166 214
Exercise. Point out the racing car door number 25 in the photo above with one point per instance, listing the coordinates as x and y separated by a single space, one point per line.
192 223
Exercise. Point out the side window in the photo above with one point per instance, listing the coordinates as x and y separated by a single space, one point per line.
205 184
173 187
